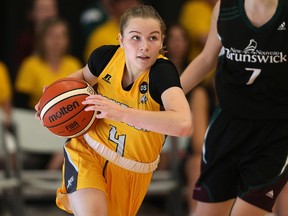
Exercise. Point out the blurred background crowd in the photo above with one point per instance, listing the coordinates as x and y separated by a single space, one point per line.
44 40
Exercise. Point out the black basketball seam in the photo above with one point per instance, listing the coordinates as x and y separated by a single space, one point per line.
61 94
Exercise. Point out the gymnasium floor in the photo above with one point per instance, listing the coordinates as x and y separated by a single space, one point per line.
48 208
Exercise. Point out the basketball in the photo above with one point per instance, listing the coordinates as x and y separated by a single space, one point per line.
61 108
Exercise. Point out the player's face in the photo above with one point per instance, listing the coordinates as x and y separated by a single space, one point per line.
142 40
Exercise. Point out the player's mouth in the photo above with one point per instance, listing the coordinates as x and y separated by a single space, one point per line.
143 57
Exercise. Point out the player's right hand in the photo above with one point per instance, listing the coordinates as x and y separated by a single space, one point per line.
37 114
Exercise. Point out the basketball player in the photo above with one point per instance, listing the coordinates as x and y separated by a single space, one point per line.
108 170
244 158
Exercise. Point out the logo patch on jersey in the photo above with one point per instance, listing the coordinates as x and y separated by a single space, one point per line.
251 46
282 27
143 99
253 54
270 194
107 78
143 88
70 181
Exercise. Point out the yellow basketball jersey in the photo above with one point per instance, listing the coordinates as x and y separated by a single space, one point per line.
130 142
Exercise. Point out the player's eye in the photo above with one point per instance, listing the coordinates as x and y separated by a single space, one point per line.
153 38
135 37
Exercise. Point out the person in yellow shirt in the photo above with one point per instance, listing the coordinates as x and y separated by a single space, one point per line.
195 16
38 12
5 110
50 62
106 33
6 95
108 170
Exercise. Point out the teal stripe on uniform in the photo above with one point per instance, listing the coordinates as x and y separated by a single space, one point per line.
213 118
229 13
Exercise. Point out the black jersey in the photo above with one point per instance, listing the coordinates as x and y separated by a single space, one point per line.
252 74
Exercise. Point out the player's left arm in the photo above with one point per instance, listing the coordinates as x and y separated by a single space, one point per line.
176 120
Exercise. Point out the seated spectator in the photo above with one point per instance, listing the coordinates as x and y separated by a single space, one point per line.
203 102
39 11
6 95
177 46
107 33
195 16
50 62
95 15
5 107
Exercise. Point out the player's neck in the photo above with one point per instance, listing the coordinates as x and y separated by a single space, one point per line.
129 77
260 11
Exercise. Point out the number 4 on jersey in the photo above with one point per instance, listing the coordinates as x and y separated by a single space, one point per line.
118 140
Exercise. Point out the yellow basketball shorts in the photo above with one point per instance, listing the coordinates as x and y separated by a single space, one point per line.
84 168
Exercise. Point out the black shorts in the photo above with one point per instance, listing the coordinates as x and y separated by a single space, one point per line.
243 158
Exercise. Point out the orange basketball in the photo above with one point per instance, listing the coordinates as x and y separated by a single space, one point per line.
61 108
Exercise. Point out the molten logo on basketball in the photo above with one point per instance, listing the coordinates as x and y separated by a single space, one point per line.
63 111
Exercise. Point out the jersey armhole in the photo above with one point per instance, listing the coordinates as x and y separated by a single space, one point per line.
100 57
163 75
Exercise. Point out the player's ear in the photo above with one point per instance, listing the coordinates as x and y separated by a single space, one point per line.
120 39
163 38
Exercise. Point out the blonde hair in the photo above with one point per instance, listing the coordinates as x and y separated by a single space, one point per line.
141 11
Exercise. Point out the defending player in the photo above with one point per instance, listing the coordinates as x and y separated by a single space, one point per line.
244 160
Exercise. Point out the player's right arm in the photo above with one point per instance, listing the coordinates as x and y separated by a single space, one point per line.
85 74
98 60
206 60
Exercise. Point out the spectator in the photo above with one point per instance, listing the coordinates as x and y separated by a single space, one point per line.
6 95
92 17
195 16
177 46
39 11
50 62
203 102
106 34
6 109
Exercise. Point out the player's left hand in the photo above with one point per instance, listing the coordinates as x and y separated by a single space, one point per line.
105 108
